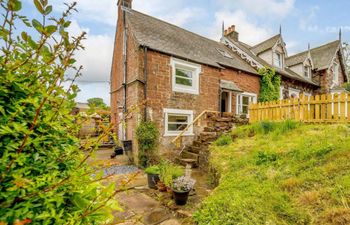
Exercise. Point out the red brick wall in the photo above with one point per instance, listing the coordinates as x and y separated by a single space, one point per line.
161 96
326 78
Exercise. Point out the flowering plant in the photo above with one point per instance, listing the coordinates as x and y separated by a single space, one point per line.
183 183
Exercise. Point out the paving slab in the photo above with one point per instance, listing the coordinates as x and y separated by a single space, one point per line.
137 202
170 222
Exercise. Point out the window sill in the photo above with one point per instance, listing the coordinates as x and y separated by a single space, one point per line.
174 135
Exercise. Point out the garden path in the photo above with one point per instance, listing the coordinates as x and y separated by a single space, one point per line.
144 206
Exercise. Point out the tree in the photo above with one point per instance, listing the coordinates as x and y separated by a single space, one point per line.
269 85
44 177
96 103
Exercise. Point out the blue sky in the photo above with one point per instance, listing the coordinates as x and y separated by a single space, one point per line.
303 21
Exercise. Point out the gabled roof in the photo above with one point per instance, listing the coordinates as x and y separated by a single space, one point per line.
321 56
285 72
175 41
265 45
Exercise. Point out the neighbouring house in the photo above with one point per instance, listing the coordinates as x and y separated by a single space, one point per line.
173 75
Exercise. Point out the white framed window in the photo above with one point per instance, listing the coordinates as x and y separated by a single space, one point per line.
293 93
281 92
185 76
277 59
336 73
307 71
176 120
242 102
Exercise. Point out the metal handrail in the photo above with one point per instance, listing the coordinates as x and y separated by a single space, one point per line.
180 135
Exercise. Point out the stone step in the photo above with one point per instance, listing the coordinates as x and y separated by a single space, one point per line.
195 149
207 136
224 119
196 143
189 155
184 162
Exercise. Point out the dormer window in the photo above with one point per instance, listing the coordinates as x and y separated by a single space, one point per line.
277 59
336 73
307 71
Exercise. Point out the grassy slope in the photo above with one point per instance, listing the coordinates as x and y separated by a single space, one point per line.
281 174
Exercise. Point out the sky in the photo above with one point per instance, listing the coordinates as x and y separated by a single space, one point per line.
303 21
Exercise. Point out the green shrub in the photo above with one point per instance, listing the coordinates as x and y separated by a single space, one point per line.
153 170
294 174
223 140
44 177
269 85
147 136
169 172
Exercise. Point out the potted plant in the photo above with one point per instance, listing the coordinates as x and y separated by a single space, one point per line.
152 176
168 172
181 188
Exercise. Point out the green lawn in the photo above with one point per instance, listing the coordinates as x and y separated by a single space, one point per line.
281 173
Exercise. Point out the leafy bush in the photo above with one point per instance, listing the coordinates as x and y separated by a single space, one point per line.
44 177
169 172
269 85
223 140
153 170
295 177
147 136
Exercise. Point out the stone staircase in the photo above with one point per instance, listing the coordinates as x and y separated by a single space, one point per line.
197 153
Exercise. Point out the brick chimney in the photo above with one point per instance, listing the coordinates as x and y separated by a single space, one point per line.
125 3
232 33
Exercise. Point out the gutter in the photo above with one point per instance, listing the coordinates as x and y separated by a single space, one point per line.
145 66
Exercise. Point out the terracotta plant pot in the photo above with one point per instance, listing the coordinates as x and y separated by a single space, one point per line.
152 179
161 187
181 197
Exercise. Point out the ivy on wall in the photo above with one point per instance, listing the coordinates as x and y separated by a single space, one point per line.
269 85
147 136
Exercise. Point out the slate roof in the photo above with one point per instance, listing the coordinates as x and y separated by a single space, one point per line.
265 45
170 39
285 72
321 56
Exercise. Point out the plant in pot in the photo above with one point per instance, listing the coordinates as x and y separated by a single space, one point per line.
152 176
181 188
168 172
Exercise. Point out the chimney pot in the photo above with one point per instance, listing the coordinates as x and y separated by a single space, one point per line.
232 33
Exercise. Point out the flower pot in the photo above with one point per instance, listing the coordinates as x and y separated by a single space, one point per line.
161 187
152 179
181 197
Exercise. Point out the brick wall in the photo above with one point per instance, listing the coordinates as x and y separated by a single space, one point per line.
161 96
287 83
326 78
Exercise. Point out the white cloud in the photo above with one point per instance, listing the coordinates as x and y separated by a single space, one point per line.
307 19
266 8
96 58
249 31
102 11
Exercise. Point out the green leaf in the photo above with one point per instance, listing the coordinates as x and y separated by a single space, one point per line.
39 7
24 36
50 29
48 10
37 25
66 24
14 5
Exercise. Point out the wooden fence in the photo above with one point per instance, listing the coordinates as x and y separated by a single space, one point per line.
330 108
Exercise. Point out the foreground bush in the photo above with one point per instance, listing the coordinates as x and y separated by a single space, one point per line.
44 178
281 173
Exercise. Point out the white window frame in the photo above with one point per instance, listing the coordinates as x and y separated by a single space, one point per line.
194 68
307 71
335 73
281 92
293 91
239 101
180 112
275 57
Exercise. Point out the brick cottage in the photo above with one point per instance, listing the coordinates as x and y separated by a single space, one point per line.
176 74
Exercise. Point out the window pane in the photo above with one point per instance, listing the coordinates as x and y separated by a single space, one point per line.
245 100
245 109
176 127
177 119
183 81
183 73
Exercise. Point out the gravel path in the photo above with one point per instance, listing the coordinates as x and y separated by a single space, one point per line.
117 169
